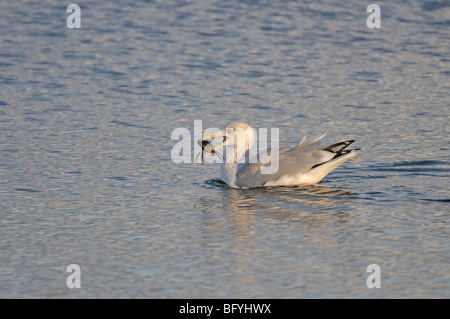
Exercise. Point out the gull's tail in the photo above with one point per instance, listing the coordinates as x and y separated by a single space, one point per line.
321 170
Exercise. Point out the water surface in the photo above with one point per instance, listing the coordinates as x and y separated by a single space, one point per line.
86 117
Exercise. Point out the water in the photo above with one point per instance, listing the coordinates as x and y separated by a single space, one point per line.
87 178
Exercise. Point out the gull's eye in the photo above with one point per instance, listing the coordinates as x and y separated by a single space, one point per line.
224 139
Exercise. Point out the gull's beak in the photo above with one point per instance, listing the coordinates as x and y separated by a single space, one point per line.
217 147
212 136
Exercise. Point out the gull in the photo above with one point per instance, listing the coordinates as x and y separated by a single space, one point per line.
305 164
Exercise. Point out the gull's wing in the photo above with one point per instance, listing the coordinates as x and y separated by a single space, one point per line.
308 161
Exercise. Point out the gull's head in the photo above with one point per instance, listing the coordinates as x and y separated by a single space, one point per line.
238 136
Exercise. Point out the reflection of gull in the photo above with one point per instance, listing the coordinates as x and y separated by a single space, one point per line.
311 198
306 163
308 204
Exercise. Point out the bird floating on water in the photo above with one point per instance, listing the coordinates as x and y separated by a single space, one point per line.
305 164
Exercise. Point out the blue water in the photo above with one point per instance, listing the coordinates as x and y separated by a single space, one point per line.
86 117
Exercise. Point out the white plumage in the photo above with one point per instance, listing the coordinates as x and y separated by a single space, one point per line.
306 163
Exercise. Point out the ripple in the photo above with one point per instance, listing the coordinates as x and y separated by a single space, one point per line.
217 182
436 200
29 190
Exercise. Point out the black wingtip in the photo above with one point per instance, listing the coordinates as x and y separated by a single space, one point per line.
338 147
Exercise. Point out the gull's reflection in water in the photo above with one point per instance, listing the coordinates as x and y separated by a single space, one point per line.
243 227
283 202
313 206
